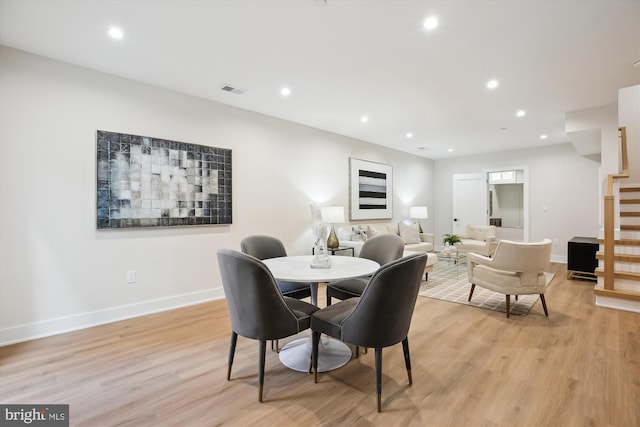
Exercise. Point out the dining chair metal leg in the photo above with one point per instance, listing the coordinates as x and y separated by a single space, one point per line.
232 352
263 352
544 305
315 337
407 358
378 358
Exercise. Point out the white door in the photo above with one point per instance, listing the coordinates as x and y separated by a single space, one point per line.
469 201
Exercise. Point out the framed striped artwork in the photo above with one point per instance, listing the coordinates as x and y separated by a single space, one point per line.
371 190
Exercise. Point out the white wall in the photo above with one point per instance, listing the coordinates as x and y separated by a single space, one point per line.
629 107
58 273
559 178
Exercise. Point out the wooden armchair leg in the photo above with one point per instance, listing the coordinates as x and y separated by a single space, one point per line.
473 286
508 301
544 305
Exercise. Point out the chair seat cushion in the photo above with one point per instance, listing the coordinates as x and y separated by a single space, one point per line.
350 287
506 282
329 320
419 247
471 244
303 311
286 287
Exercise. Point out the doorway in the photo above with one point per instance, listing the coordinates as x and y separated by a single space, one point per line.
497 197
508 195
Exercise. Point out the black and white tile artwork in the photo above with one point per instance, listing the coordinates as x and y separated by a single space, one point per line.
151 182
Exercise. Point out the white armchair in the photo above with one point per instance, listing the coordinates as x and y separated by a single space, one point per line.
516 268
480 239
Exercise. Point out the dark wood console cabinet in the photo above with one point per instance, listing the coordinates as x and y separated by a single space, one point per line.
581 258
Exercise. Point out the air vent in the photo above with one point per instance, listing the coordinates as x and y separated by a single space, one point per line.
229 88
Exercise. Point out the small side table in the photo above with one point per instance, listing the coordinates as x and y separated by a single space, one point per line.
453 259
581 258
338 249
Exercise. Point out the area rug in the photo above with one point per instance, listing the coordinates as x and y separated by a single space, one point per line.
450 284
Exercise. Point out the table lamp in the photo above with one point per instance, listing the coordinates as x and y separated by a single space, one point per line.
332 215
418 213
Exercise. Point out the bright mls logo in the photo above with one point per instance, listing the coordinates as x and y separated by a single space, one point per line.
34 415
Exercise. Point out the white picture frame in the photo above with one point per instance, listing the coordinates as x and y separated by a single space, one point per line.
371 190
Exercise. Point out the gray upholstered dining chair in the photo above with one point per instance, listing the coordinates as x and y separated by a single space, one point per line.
516 268
256 307
382 249
265 247
379 318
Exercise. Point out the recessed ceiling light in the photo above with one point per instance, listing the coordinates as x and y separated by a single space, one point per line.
521 113
409 135
431 23
492 84
450 150
364 119
543 137
285 91
115 33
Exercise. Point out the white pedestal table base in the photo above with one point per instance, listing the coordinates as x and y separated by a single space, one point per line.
332 354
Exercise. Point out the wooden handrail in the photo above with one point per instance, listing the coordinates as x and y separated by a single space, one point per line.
609 217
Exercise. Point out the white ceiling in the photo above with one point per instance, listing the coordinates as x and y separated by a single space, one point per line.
352 58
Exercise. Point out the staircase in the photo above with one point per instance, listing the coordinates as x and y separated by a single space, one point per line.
619 258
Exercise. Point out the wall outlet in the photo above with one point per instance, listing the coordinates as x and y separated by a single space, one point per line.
555 243
131 276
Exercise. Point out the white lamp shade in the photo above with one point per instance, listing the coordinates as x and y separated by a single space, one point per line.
332 214
418 212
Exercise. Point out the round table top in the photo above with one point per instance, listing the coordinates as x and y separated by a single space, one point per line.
298 268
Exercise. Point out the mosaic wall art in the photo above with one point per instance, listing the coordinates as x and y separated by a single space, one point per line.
151 182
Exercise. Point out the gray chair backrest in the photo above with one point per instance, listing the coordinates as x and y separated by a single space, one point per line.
263 247
256 306
383 314
383 248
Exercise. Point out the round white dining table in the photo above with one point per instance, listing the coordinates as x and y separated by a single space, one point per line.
332 353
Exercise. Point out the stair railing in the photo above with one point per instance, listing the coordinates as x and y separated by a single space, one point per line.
609 215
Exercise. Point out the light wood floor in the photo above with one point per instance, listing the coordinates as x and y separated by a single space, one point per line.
471 367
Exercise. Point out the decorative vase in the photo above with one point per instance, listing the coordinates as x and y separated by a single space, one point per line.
332 241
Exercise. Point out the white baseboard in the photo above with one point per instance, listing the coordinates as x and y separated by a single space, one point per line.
61 325
617 304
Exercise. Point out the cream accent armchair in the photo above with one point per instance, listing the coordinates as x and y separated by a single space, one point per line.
480 239
516 268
